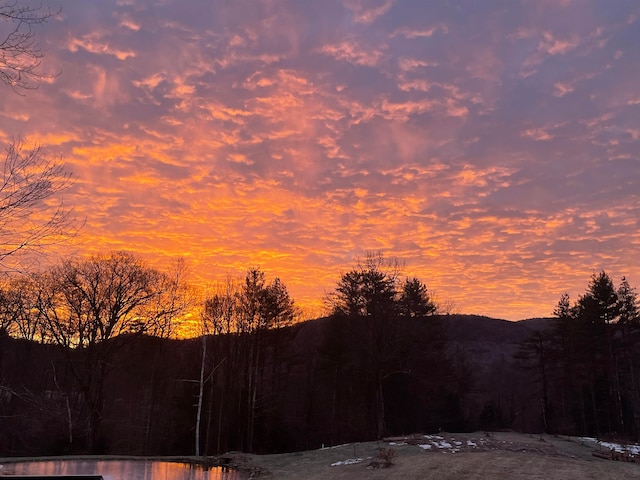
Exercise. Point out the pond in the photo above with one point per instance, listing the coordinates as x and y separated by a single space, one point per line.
118 470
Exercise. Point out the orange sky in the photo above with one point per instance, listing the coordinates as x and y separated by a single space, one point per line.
491 146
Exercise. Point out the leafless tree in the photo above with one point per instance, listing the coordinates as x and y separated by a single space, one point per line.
18 313
174 298
219 317
20 53
164 314
33 214
31 181
105 296
220 310
247 310
91 307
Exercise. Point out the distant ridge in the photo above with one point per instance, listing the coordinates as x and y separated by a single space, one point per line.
486 342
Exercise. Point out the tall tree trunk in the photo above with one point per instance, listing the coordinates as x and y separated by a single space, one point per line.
150 414
95 425
207 435
200 394
380 419
335 432
95 401
594 407
219 436
253 396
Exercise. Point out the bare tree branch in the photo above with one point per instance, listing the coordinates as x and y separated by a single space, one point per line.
33 214
20 53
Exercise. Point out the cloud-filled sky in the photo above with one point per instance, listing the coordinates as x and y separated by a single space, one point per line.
492 146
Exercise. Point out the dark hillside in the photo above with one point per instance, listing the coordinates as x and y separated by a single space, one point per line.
486 340
313 382
500 396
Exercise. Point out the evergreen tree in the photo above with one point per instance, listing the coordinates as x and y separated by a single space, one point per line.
599 305
415 301
628 310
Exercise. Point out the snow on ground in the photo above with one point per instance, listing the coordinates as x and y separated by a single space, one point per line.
631 449
334 446
350 461
454 443
442 444
426 442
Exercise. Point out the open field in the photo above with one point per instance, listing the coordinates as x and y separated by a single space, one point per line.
450 456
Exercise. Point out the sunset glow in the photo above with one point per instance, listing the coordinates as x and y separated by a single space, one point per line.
493 147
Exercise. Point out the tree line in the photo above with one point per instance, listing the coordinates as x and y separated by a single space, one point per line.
585 365
89 363
254 379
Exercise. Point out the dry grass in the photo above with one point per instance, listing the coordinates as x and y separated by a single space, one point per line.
477 456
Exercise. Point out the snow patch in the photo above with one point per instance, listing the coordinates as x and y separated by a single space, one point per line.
350 461
631 449
442 444
439 442
334 446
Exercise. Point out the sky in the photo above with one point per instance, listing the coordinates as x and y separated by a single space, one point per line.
493 147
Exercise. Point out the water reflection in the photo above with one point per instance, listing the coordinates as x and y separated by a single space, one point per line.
119 470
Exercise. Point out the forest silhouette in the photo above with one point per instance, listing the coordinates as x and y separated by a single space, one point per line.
89 363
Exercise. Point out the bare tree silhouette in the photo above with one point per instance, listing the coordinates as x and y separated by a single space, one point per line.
33 214
20 53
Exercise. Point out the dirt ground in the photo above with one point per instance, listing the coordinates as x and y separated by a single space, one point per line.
450 456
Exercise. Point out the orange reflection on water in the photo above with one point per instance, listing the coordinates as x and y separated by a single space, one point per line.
118 470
